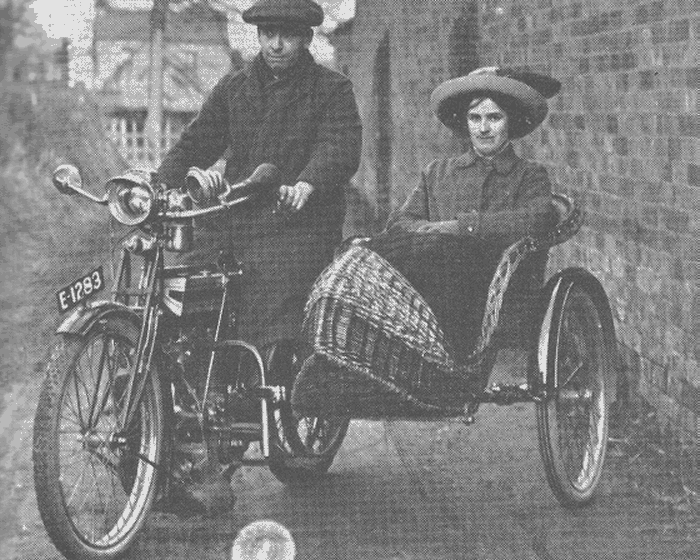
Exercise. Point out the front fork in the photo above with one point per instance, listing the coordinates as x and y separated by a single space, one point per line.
148 293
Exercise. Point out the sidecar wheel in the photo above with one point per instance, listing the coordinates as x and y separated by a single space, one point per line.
572 420
301 447
95 481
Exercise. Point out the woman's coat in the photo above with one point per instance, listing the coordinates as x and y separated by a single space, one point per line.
495 202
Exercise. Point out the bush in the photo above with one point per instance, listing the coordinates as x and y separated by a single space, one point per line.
46 239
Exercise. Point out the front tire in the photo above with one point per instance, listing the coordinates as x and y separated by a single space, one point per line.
301 447
572 420
94 490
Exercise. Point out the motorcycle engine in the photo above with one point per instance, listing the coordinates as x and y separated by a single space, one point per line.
188 362
229 411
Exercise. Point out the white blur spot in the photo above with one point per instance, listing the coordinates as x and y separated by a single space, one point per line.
263 540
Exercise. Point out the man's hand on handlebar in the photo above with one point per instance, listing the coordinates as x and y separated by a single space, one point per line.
293 198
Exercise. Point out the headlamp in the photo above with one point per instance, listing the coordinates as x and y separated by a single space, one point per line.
130 201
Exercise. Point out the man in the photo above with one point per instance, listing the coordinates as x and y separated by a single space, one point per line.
287 110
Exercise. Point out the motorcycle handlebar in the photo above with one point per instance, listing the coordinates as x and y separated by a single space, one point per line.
208 186
202 186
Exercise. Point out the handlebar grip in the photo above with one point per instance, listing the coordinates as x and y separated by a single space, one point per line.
209 186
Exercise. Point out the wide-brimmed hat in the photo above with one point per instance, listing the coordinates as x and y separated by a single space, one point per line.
303 13
524 92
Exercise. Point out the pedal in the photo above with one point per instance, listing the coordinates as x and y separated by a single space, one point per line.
244 430
507 394
273 393
245 427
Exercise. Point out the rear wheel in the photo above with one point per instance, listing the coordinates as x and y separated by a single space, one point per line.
573 419
301 447
95 478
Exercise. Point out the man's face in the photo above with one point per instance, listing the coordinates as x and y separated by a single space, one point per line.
488 127
281 46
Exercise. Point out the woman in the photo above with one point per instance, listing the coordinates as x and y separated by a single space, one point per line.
387 344
449 235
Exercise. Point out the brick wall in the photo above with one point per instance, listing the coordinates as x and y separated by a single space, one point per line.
622 136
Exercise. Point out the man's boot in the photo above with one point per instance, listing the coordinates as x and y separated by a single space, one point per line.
207 493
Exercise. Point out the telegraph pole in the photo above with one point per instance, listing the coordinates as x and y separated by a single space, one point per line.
154 119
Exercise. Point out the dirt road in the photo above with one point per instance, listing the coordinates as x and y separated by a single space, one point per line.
398 490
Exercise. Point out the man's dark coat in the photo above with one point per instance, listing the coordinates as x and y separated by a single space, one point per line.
306 123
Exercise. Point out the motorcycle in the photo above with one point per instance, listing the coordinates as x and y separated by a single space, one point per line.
150 389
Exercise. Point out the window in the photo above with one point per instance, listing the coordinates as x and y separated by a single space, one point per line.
189 60
126 129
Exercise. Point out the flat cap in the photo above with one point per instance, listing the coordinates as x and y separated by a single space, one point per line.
280 12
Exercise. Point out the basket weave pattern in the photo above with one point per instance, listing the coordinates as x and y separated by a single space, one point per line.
363 315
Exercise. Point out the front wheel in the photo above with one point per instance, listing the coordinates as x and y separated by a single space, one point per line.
96 479
577 355
302 447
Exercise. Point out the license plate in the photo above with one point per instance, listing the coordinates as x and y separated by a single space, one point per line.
80 289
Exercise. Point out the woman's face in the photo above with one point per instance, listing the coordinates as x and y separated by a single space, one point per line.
488 127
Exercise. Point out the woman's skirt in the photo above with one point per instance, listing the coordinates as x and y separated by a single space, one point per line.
378 348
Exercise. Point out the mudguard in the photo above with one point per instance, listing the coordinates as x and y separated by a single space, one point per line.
84 318
551 300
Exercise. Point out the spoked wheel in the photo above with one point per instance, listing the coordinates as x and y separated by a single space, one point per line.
95 478
301 447
573 420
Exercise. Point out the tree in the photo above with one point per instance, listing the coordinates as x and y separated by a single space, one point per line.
158 23
154 121
13 21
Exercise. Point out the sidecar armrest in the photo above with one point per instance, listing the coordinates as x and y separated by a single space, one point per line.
569 219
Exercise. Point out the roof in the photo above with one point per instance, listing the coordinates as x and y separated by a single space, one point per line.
197 23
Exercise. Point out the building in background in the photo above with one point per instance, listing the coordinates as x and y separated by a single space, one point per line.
622 136
197 55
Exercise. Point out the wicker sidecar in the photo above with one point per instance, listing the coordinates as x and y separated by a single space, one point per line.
379 352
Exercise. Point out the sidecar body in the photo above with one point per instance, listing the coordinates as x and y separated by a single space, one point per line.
379 352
